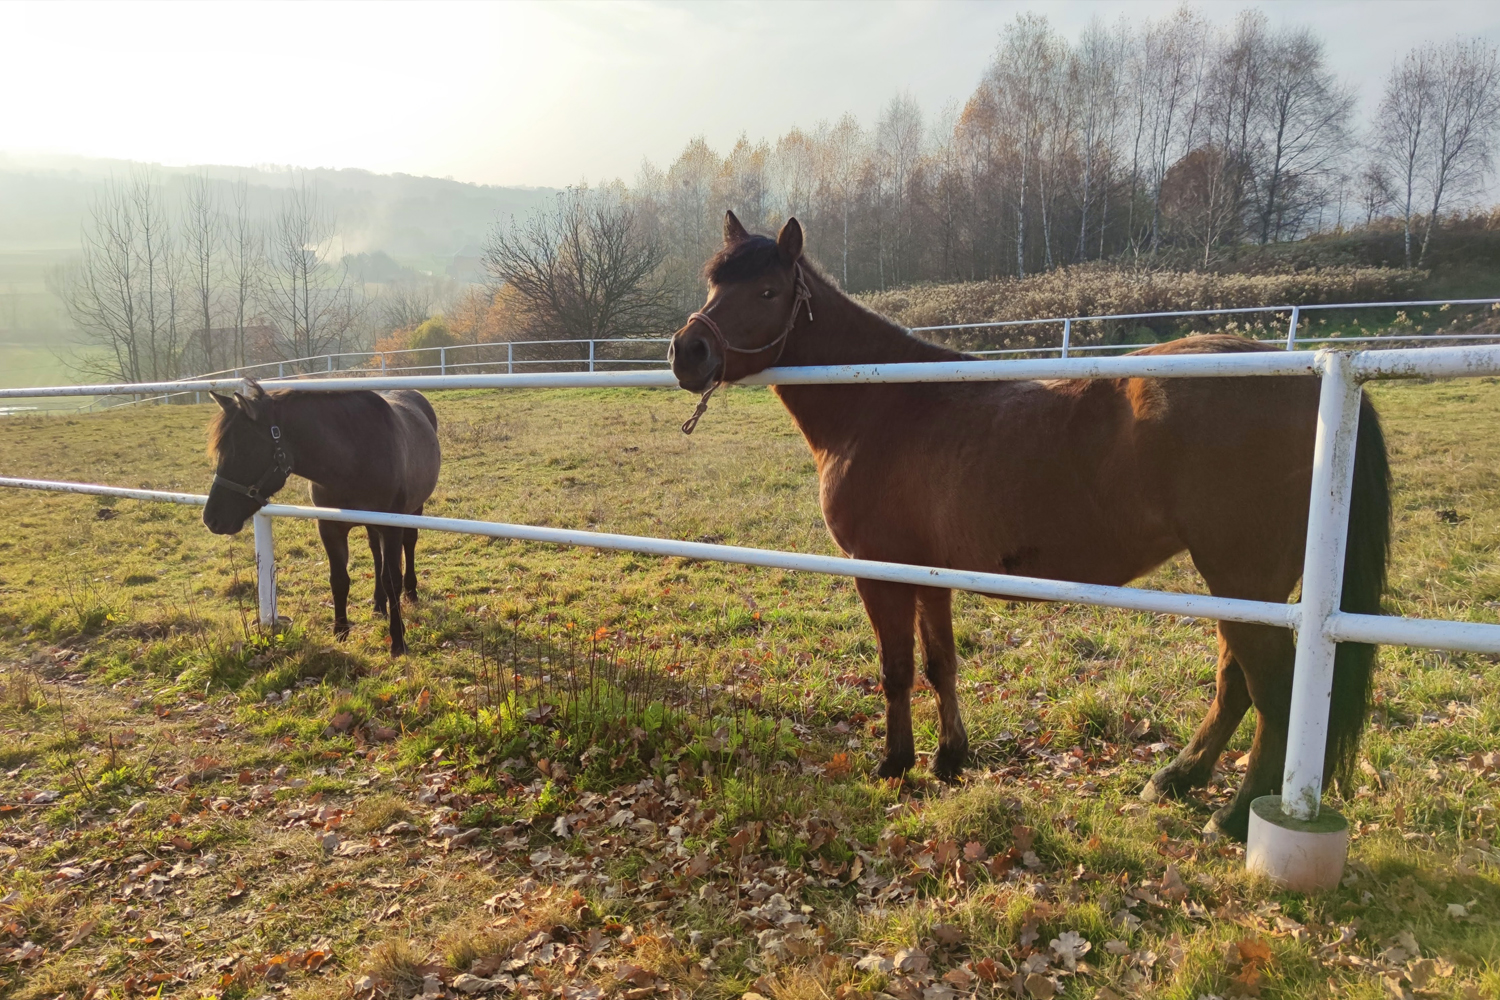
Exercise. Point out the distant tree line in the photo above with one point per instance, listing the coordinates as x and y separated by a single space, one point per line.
1152 141
1135 140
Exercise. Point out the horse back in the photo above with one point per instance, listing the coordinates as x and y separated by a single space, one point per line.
414 444
1227 464
414 400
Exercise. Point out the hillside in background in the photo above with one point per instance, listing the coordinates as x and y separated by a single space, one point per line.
396 225
43 202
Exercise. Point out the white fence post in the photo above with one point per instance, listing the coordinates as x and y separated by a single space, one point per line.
1288 839
281 369
1322 585
265 568
1067 335
510 358
330 362
382 362
591 355
442 360
1291 330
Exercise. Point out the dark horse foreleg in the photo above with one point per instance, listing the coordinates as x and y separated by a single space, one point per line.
1194 766
935 619
1265 654
892 611
335 536
390 543
372 533
409 540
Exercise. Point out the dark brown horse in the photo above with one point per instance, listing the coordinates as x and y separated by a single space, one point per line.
1097 481
358 450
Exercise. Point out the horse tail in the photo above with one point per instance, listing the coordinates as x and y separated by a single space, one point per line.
1365 557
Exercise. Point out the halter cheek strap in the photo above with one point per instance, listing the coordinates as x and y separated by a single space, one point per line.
803 296
281 466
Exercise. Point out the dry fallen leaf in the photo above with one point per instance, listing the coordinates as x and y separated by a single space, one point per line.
947 934
1254 950
960 977
987 970
1040 987
79 935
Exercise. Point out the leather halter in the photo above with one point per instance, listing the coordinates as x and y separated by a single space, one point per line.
281 465
803 295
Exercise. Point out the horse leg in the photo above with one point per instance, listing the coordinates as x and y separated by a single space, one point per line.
409 540
1194 766
940 656
335 536
892 611
1265 654
372 533
390 539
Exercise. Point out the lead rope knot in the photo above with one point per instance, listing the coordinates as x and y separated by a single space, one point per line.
691 422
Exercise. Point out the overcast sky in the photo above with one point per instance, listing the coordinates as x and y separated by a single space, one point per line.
535 94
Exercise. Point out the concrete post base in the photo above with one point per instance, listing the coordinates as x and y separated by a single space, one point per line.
1296 854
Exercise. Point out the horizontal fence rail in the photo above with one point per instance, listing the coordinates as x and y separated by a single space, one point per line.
1437 362
995 584
1319 622
1420 632
592 354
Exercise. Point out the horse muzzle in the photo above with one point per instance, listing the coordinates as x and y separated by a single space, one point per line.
695 360
226 514
222 526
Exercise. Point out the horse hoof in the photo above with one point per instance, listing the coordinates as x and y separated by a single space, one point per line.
1162 787
398 648
380 608
896 767
1226 823
341 632
411 597
948 765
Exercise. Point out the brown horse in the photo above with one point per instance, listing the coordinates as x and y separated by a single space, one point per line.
359 450
1096 481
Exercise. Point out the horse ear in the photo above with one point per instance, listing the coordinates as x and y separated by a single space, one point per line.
733 231
226 403
789 241
253 400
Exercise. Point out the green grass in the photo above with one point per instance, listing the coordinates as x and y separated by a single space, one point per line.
547 685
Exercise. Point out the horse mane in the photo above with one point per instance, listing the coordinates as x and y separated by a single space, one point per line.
745 259
217 428
338 409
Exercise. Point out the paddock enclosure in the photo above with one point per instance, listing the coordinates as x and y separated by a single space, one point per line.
595 461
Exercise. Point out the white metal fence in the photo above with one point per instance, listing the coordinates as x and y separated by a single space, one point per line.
1319 622
616 354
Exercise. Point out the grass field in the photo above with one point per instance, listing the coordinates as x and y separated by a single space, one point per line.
607 774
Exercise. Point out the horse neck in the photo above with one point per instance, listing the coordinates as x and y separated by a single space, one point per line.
315 439
843 332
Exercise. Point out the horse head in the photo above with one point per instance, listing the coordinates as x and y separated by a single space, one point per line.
252 462
756 292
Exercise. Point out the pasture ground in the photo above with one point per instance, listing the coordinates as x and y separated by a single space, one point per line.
606 774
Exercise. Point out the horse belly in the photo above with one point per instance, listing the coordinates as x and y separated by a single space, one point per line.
958 517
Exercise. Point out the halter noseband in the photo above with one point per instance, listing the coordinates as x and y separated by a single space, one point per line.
281 464
803 295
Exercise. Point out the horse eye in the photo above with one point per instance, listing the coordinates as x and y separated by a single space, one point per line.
769 293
